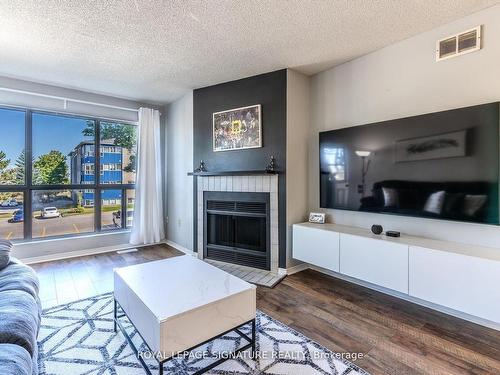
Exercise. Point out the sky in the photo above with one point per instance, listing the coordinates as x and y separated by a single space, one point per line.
11 133
49 133
56 133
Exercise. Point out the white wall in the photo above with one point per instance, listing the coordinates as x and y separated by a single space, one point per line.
297 131
179 140
404 80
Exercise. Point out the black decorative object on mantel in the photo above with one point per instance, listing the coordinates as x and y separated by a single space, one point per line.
259 172
201 167
271 167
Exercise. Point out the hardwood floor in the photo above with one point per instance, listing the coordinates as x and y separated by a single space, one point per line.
395 336
67 280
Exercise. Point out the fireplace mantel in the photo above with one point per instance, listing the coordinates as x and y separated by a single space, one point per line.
235 173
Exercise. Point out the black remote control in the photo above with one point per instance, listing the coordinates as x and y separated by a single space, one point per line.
392 233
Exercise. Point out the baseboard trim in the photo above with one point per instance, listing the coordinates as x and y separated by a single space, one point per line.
294 269
79 253
185 250
430 305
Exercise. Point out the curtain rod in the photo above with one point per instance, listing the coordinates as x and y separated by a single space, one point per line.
66 100
65 113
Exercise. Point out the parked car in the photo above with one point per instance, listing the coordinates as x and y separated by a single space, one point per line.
50 212
10 203
17 216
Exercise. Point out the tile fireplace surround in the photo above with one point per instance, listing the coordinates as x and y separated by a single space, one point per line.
242 183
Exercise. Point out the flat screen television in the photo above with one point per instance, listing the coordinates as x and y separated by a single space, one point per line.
442 165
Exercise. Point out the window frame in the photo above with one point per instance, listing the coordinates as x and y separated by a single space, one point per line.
28 187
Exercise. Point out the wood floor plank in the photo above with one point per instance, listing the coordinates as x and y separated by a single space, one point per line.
466 339
378 365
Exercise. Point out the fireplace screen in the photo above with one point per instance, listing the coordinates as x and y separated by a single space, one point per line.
237 231
236 228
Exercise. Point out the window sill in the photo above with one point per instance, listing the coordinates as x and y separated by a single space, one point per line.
69 237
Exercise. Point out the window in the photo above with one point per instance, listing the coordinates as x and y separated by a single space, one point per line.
57 144
335 157
11 215
61 212
118 151
89 169
111 203
110 150
12 147
71 190
88 150
111 167
130 198
112 208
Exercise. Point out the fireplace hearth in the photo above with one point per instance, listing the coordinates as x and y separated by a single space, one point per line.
237 228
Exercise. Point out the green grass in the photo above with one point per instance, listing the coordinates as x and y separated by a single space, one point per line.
111 208
70 212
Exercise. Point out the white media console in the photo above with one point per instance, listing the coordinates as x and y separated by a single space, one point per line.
460 279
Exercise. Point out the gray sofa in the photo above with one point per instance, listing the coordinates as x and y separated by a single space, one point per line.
20 311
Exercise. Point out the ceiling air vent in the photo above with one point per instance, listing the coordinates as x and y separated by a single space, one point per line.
459 44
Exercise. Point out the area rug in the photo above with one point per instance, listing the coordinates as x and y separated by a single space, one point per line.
78 338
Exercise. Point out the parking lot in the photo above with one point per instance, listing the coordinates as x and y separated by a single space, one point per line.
72 224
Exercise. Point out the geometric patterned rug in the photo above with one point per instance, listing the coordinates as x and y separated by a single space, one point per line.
78 338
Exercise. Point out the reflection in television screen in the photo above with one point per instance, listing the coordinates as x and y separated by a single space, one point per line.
441 165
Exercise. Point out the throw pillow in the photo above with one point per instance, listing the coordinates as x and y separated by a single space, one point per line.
390 197
473 203
434 203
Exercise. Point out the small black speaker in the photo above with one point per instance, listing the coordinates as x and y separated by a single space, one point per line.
377 229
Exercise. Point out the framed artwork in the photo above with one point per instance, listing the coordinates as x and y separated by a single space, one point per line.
237 129
448 145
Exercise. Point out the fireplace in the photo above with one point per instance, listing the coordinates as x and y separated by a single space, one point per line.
237 228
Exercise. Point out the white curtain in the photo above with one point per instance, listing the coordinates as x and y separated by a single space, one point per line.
148 214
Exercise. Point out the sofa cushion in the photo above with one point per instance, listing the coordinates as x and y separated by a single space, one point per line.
409 199
18 276
34 361
5 242
19 319
15 360
5 247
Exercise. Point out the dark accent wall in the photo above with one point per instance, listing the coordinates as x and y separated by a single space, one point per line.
268 90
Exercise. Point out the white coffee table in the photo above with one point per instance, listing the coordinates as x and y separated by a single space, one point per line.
180 303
